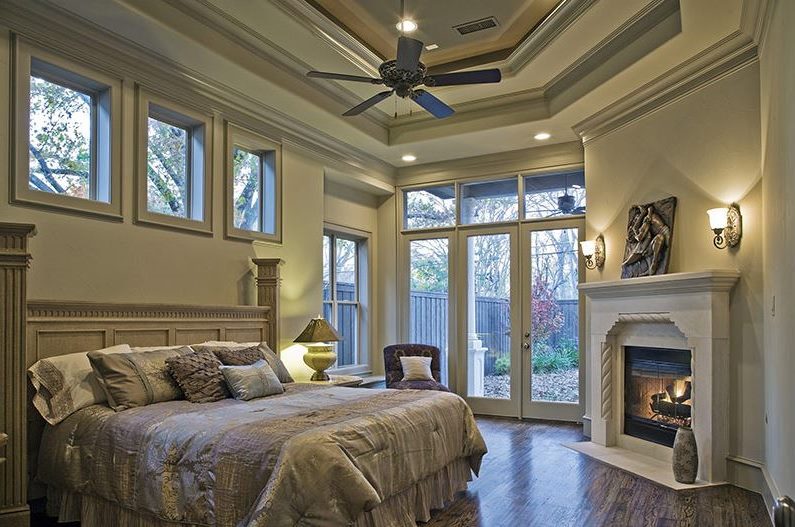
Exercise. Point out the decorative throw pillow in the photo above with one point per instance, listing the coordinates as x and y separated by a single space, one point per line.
252 381
273 360
137 378
237 356
199 375
416 368
66 383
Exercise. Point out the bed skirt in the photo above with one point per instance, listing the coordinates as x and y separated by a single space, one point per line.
401 510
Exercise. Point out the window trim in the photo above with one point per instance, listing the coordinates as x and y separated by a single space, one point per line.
364 275
105 171
238 137
200 150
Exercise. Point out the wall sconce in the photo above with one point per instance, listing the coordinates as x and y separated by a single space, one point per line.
727 224
594 252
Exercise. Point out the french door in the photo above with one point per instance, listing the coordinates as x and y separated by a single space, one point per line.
519 319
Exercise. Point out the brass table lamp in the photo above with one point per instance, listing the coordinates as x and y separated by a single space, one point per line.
320 355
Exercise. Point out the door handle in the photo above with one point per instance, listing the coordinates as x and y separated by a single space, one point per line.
526 346
527 335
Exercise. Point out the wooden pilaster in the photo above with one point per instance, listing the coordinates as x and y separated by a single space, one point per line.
268 285
14 259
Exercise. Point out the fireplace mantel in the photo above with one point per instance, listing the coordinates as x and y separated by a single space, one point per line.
716 280
679 310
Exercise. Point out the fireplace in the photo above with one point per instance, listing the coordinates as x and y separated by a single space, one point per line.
657 392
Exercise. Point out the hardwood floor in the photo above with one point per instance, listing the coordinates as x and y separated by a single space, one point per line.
530 479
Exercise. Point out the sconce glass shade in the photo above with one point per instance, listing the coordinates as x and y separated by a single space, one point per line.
588 248
718 218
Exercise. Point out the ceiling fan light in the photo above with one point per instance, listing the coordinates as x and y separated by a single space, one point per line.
409 158
542 136
431 47
406 25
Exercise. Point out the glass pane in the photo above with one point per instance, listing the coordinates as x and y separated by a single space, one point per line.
347 322
167 169
346 269
555 316
550 195
428 295
247 191
489 316
430 207
327 270
60 139
327 312
490 201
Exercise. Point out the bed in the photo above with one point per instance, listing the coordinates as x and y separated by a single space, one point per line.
313 455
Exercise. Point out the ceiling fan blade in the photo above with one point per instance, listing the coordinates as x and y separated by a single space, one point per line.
464 77
372 101
343 77
439 109
408 53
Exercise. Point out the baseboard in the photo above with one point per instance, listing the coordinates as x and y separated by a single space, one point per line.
754 476
17 517
586 426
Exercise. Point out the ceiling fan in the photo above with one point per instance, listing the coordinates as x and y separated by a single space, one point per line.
567 203
403 76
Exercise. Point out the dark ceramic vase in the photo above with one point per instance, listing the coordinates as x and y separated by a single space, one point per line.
685 459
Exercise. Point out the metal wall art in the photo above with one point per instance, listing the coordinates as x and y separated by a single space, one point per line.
650 232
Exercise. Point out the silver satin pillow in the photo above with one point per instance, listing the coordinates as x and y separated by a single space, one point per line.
416 368
250 382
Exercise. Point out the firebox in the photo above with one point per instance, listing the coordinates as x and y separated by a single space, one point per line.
657 392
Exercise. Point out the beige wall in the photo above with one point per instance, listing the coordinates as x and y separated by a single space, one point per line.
778 164
82 258
703 149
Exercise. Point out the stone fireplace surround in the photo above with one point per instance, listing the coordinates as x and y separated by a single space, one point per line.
679 310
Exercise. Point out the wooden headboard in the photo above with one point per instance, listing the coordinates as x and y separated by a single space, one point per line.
58 328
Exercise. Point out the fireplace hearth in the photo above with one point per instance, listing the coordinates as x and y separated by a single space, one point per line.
658 392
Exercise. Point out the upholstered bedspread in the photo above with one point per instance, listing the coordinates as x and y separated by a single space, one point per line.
312 456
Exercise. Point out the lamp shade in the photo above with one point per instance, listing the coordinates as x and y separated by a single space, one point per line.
588 247
718 218
318 330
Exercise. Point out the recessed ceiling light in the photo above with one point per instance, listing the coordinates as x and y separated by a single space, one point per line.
408 158
431 47
406 25
542 136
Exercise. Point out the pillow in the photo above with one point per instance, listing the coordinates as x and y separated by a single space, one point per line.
416 368
137 378
66 383
273 360
252 381
238 356
199 375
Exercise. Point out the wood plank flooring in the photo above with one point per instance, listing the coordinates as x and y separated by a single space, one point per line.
529 479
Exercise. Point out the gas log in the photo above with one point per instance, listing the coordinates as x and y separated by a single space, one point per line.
661 406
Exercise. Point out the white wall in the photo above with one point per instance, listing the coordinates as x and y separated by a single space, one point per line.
778 165
705 150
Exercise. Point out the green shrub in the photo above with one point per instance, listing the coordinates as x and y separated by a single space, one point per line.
547 360
502 366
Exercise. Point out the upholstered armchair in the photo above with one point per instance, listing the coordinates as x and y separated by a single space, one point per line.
394 371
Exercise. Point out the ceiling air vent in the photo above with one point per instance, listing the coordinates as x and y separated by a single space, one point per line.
476 25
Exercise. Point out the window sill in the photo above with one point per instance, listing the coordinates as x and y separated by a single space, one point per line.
252 236
170 222
68 204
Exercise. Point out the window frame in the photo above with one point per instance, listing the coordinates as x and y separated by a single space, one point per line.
270 154
199 166
105 190
363 241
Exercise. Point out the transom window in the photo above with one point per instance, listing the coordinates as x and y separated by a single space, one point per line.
545 195
344 284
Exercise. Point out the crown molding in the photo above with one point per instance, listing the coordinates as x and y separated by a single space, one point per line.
60 31
723 58
554 156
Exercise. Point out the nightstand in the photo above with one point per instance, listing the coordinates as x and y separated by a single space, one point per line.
339 380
